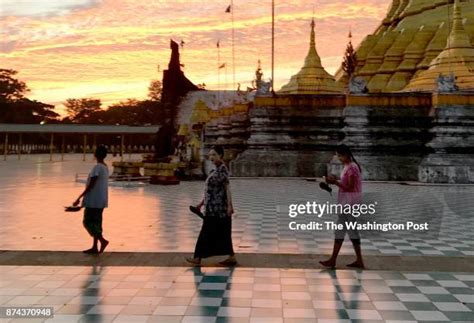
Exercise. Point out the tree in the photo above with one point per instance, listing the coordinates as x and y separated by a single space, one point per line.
39 111
350 59
15 107
132 112
11 89
82 110
154 90
27 111
123 113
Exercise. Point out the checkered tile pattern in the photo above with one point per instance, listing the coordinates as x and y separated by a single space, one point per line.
177 294
156 218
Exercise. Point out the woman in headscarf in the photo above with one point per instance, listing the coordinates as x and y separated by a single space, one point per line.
215 238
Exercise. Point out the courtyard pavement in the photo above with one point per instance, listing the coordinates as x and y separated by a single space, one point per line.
156 219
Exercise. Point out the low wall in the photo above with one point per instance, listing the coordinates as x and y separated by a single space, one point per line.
289 134
395 136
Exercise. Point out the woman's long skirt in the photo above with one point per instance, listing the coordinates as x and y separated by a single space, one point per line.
215 238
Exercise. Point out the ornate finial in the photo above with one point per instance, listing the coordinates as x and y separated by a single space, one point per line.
258 74
262 87
458 37
312 58
457 18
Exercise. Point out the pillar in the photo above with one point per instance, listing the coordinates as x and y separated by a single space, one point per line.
5 147
122 140
62 148
51 147
19 146
94 145
84 148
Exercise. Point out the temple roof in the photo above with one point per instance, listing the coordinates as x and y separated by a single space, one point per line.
456 58
211 101
312 78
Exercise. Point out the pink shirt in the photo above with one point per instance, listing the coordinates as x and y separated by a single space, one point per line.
346 195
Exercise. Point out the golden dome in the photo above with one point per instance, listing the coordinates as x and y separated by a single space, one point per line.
411 36
312 78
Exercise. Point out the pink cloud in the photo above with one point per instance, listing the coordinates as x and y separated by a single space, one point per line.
122 42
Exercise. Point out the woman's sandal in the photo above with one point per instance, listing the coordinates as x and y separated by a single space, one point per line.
91 251
229 262
328 264
356 264
193 261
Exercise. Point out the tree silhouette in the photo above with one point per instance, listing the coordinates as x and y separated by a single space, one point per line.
154 90
11 89
15 107
80 110
133 112
350 59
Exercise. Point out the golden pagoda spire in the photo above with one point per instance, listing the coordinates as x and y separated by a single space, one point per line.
457 59
458 37
312 58
312 78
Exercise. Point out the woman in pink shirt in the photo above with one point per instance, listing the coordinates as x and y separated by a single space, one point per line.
350 192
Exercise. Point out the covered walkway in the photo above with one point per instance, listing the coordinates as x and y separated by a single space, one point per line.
53 130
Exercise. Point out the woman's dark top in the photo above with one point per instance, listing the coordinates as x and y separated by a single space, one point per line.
215 195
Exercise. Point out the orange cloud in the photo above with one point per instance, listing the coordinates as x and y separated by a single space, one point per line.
110 49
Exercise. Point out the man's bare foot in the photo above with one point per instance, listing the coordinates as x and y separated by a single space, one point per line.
194 261
91 251
356 264
328 263
103 245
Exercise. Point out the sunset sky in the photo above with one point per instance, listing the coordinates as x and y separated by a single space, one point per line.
110 49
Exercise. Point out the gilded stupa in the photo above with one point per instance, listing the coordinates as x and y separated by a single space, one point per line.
410 40
457 59
312 78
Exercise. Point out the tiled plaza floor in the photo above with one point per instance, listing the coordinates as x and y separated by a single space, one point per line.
156 218
174 294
